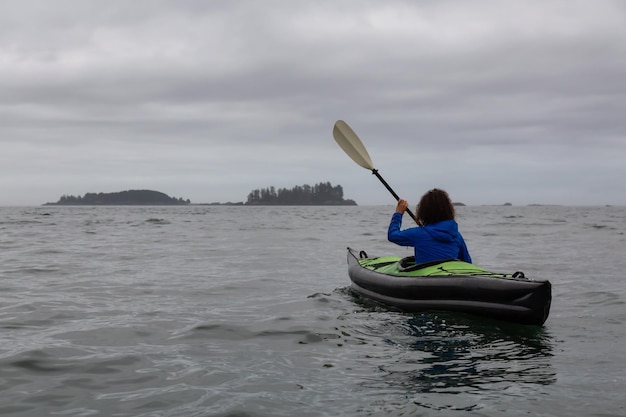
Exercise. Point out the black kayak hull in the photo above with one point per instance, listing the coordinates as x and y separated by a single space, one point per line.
516 300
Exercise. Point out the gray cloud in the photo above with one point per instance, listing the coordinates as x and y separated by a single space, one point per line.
496 101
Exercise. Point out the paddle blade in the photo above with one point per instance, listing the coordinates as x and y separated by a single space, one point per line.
351 144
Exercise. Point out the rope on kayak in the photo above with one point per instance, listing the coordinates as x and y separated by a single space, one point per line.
483 273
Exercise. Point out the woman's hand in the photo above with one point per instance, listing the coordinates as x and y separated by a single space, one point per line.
402 206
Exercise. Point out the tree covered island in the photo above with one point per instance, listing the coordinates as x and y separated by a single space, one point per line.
322 194
122 198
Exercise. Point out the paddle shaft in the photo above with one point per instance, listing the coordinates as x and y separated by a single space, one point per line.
354 148
393 193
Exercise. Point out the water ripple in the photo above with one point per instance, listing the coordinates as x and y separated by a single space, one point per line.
224 311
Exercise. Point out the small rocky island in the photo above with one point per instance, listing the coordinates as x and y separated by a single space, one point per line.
122 198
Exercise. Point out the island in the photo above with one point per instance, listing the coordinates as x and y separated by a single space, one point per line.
122 198
321 194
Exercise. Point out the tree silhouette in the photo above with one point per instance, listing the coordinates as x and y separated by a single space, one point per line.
319 194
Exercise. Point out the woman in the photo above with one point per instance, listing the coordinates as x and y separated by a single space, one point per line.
437 236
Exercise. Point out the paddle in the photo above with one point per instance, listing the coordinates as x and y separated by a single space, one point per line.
352 145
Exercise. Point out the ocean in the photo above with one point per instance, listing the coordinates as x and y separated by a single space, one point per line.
246 311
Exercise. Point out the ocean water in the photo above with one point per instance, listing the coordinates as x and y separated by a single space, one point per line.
246 311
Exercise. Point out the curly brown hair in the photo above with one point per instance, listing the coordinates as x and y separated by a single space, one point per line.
434 207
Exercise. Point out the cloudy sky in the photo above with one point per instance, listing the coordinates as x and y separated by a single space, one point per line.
494 100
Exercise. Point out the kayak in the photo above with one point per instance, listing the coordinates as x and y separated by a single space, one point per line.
449 285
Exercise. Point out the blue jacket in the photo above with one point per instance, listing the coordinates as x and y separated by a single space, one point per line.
432 242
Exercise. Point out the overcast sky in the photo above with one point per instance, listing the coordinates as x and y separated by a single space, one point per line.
495 101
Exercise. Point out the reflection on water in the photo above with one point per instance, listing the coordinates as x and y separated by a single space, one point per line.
468 352
435 353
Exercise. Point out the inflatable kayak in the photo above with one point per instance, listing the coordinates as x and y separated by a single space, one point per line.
449 285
